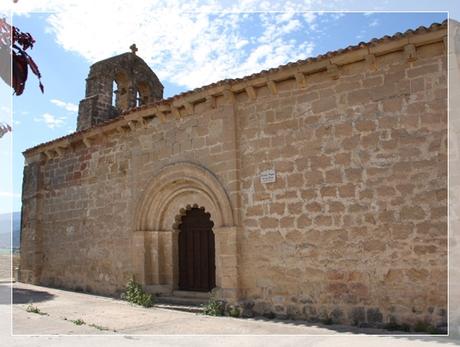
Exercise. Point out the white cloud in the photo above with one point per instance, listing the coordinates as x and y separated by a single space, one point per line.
374 23
192 48
337 16
310 17
25 7
65 105
51 121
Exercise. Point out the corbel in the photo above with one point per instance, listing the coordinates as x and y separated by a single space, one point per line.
87 142
144 122
132 125
62 146
48 154
251 92
410 53
188 108
160 115
229 96
101 134
300 79
272 86
175 111
371 62
59 151
120 129
212 101
333 71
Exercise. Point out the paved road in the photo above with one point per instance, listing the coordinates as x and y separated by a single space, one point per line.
106 316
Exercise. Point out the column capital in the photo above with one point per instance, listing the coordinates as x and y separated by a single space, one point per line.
155 231
225 229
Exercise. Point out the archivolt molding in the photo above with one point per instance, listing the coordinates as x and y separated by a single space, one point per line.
177 185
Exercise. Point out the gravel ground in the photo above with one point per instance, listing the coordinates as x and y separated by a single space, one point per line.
130 326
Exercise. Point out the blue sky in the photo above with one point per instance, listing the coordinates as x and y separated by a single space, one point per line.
186 50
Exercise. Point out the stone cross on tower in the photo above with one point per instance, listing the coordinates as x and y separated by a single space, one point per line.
133 48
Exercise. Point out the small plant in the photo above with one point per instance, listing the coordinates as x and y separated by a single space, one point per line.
433 330
214 307
327 321
404 327
98 327
34 309
392 325
78 321
233 311
423 327
136 295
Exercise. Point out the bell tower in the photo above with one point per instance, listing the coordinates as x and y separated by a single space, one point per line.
115 85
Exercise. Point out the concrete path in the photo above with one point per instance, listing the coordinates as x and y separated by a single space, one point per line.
102 316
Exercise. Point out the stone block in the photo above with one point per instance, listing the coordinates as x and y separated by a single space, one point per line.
374 316
357 315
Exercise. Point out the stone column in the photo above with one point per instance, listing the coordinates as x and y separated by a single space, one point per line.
170 266
154 259
139 256
226 263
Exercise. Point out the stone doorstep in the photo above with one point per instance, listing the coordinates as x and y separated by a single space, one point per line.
188 302
179 307
183 301
192 295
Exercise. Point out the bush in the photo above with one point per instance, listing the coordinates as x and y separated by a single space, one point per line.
423 327
233 311
213 307
136 295
78 321
327 321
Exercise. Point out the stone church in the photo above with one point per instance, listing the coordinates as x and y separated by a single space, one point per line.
314 190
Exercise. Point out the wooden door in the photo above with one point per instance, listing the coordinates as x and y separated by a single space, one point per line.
196 252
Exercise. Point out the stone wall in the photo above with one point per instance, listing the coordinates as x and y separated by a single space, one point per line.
88 198
354 228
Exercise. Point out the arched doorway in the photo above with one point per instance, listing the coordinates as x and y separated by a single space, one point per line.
197 271
157 229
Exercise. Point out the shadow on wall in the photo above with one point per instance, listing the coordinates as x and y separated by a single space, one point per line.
337 328
25 296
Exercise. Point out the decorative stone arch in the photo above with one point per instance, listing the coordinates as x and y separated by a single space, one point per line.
172 184
171 191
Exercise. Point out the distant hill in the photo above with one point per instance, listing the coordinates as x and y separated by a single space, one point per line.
5 220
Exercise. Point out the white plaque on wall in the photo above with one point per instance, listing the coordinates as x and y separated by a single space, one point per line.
268 176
